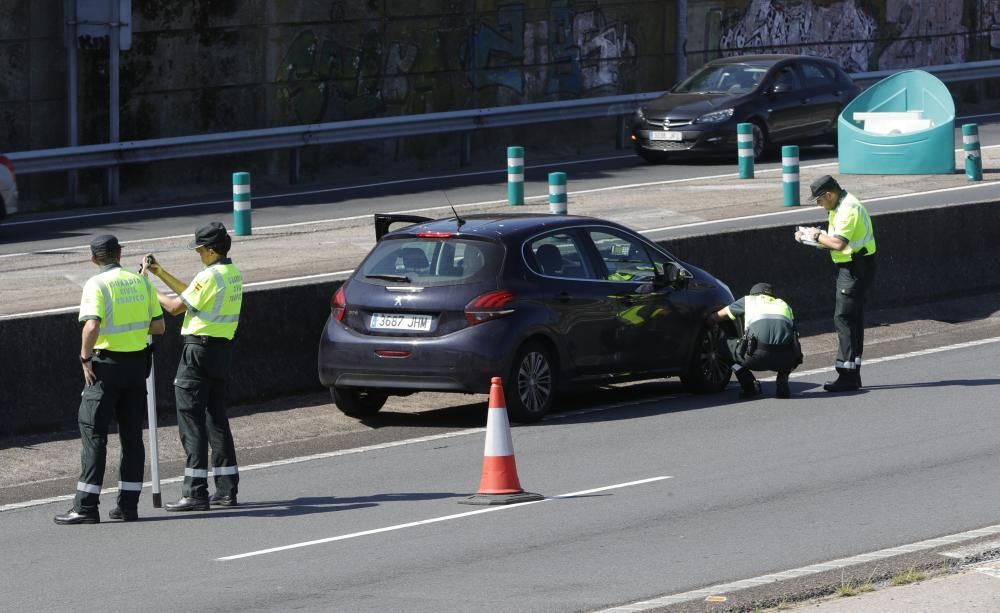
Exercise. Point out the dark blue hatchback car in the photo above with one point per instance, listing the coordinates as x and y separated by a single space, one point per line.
546 302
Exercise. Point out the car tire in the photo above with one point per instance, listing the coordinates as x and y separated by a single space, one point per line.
708 373
358 402
530 386
761 145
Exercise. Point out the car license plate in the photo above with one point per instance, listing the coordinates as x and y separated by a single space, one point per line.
400 321
660 135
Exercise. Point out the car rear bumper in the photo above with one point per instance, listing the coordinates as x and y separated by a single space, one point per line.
463 361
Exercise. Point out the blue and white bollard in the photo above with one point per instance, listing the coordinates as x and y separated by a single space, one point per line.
973 156
557 193
515 176
744 149
241 204
790 174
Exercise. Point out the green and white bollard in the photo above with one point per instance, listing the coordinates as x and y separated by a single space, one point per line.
515 176
973 157
557 193
790 174
241 204
744 149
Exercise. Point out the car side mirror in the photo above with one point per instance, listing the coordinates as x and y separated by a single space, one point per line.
673 275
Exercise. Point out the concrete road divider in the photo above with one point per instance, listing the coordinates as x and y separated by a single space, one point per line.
924 255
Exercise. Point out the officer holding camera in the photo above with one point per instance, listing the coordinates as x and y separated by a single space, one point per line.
211 304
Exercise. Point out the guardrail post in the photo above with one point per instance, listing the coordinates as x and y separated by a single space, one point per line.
465 149
515 176
790 174
621 132
557 193
241 203
744 149
973 157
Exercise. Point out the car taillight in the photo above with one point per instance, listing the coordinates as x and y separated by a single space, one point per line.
488 306
337 304
434 234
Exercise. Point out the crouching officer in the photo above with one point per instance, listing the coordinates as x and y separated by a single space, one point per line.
211 305
770 340
118 310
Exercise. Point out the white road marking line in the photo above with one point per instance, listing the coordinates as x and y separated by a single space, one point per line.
435 437
434 520
724 588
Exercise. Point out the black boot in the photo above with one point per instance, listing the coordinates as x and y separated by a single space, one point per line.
847 381
783 391
749 383
857 375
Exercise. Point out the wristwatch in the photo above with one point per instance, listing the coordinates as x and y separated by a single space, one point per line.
84 360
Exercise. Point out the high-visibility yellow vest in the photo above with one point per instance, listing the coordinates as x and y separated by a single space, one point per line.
213 301
762 306
851 221
124 303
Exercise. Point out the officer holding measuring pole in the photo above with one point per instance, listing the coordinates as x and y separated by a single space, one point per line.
118 310
211 305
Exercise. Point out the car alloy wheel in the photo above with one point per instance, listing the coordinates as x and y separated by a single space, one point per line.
530 387
708 372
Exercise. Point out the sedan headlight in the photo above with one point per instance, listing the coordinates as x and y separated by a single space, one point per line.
715 116
639 116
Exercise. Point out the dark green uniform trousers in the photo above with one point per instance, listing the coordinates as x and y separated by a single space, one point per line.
201 389
854 279
120 392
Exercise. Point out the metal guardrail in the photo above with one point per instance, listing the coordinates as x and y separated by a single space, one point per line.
293 137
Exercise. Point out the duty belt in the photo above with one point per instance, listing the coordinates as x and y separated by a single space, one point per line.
190 339
773 348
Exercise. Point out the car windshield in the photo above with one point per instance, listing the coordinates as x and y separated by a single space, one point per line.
428 262
725 78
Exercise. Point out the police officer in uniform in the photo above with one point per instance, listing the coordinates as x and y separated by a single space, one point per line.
770 340
850 238
118 310
211 306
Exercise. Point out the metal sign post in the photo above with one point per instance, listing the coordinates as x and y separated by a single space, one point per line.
154 450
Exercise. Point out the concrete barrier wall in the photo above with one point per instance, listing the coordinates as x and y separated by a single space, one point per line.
922 255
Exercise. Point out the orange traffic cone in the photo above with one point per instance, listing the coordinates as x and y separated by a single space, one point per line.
499 484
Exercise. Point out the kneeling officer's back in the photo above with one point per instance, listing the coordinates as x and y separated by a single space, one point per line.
770 340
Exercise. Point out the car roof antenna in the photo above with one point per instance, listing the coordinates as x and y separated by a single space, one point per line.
458 219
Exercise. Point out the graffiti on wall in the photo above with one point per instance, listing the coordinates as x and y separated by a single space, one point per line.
908 33
319 72
571 52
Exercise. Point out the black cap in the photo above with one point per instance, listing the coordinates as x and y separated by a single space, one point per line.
208 235
104 246
761 288
826 183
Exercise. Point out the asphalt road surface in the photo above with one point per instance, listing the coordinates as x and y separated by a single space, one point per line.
651 492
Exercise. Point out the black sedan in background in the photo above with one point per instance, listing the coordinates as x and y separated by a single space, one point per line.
546 302
789 100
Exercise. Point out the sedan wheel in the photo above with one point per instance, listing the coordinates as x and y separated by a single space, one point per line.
708 372
760 144
530 387
358 402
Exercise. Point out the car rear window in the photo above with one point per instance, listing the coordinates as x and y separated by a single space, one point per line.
431 261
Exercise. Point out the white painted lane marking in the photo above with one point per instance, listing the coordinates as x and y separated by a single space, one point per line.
468 431
724 588
434 520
